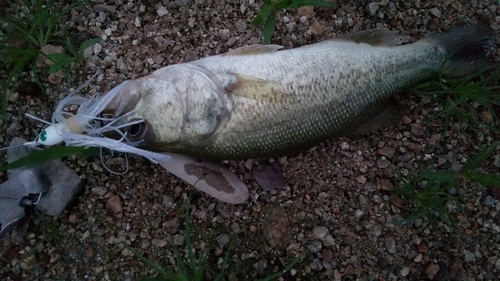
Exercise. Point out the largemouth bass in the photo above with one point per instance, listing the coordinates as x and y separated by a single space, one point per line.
258 101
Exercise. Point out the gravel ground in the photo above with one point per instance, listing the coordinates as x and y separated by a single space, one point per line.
332 203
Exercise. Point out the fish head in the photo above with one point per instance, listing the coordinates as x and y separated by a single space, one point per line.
179 105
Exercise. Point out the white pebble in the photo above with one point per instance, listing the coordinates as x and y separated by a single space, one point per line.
319 232
13 96
137 21
358 213
404 272
418 258
344 146
161 11
329 241
88 52
435 12
97 48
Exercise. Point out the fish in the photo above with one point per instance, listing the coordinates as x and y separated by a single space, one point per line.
259 101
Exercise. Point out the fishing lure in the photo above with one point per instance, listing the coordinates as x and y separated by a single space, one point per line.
89 127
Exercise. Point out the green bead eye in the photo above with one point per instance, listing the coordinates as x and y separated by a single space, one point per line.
43 135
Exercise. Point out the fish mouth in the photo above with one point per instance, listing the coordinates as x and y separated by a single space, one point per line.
118 115
140 132
135 132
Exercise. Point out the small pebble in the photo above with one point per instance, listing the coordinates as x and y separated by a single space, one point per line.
404 271
114 204
372 8
390 245
28 261
417 129
431 270
316 28
307 11
178 240
319 232
435 12
159 243
224 34
161 11
13 96
358 214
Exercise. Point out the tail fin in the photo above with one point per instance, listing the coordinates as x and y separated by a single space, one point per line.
467 48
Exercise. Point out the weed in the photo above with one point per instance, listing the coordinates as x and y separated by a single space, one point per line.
51 153
52 232
431 192
268 12
460 97
196 269
75 55
32 27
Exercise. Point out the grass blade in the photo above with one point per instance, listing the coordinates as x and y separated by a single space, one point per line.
480 158
484 179
269 27
288 267
262 15
165 274
301 3
52 153
440 176
226 258
87 44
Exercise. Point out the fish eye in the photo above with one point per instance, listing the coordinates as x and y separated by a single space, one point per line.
140 132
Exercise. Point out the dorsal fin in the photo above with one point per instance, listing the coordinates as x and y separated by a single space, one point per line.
374 37
253 50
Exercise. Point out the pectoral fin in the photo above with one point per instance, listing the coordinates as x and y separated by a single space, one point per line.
209 177
257 89
388 116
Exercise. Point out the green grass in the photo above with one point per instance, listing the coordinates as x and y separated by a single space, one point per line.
196 269
268 13
26 31
51 153
461 98
50 230
429 192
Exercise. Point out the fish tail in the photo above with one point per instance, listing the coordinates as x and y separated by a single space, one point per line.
467 48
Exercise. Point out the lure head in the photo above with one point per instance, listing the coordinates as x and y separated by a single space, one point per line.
55 133
51 135
180 106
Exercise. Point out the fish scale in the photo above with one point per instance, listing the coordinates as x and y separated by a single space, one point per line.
256 101
328 106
